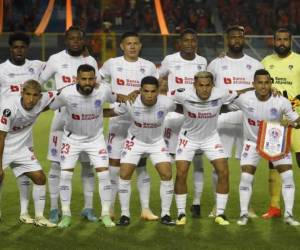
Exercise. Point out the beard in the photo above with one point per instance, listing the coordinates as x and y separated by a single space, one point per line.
236 49
282 50
85 90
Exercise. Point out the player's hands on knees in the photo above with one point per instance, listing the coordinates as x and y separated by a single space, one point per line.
286 123
133 95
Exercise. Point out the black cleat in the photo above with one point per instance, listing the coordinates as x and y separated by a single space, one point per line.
166 220
196 211
124 221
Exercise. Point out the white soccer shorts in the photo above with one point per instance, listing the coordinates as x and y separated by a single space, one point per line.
211 146
23 161
133 150
95 149
230 129
250 156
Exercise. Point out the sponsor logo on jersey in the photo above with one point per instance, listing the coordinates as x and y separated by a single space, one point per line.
75 117
178 80
98 103
3 120
201 115
6 112
227 80
120 81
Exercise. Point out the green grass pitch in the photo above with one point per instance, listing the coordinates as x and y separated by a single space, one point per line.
197 234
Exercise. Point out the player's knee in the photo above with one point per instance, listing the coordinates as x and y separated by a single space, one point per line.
223 173
39 178
166 176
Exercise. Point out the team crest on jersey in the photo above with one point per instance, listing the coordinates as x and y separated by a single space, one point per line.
177 67
123 154
98 103
224 67
274 113
31 70
142 70
248 66
160 114
65 66
6 112
291 67
199 67
179 151
119 69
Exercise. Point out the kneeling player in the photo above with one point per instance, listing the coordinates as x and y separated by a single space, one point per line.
257 106
18 115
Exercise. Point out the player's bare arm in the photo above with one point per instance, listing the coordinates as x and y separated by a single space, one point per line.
2 141
107 112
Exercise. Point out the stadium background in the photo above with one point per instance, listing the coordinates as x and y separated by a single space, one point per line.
104 21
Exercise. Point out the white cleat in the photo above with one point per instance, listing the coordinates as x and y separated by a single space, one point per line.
243 220
26 219
148 215
291 221
43 222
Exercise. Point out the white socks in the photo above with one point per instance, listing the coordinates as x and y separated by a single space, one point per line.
245 191
221 201
124 196
104 191
166 195
114 173
288 191
88 183
53 183
24 189
143 184
39 196
180 203
198 179
66 191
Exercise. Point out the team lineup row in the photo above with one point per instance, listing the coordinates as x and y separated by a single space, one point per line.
200 106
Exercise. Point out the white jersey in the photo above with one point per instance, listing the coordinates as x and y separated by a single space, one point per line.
125 76
200 117
13 76
64 68
255 111
232 73
84 114
18 122
147 122
181 72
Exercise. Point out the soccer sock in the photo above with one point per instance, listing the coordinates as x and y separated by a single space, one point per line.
288 191
53 183
274 187
221 201
166 195
88 183
114 173
245 191
143 184
104 191
180 203
39 195
65 191
124 196
198 179
24 189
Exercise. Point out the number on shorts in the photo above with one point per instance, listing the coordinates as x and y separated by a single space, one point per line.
111 136
54 140
168 132
65 148
129 145
183 142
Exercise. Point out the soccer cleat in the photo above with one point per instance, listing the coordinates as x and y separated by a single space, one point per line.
148 215
43 222
212 214
243 220
196 211
124 221
251 213
54 216
166 220
65 221
106 220
291 221
221 220
181 220
273 212
26 219
88 213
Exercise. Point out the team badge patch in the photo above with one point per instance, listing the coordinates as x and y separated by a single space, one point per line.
160 114
98 103
6 112
199 67
249 66
54 152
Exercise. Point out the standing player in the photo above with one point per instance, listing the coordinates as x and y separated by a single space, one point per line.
257 106
13 73
18 115
180 69
63 66
234 71
125 73
83 132
284 68
145 136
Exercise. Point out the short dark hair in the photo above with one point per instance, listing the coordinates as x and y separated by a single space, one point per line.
150 80
74 28
188 31
262 72
204 74
85 68
283 30
235 27
129 34
18 36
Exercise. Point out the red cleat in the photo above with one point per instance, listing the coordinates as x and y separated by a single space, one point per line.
273 212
